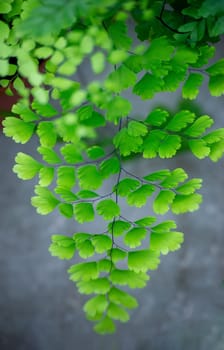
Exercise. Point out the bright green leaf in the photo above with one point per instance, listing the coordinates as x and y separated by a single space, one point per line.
108 209
66 210
117 313
186 203
89 177
120 297
71 154
49 155
26 167
44 201
166 241
192 85
19 130
163 201
46 176
109 167
199 148
84 212
47 134
66 177
139 197
62 246
84 271
134 237
101 243
118 227
136 128
127 185
97 286
106 325
143 260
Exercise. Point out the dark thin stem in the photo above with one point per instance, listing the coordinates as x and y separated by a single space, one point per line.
160 18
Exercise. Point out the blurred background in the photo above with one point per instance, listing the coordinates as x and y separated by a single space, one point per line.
182 307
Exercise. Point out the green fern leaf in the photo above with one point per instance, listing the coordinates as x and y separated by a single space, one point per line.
117 255
89 177
160 49
26 167
108 209
44 202
25 113
66 177
186 203
152 143
49 155
176 176
95 152
47 134
121 79
217 68
85 248
164 226
214 136
117 108
169 146
143 260
199 148
45 110
191 87
104 265
157 117
216 150
106 325
117 313
71 154
157 175
136 128
118 227
19 130
66 210
84 212
84 194
98 62
216 85
120 297
118 33
125 186
134 237
46 176
84 271
146 221
62 246
101 243
97 304
148 86
180 120
97 286
199 126
139 197
109 167
126 143
129 278
163 201
190 186
166 241
66 194
135 63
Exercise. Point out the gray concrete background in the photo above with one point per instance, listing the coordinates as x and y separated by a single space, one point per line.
182 307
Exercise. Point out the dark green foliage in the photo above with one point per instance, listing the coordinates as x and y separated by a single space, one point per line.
49 41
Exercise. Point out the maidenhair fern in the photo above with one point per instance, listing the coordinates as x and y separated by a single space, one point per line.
42 46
